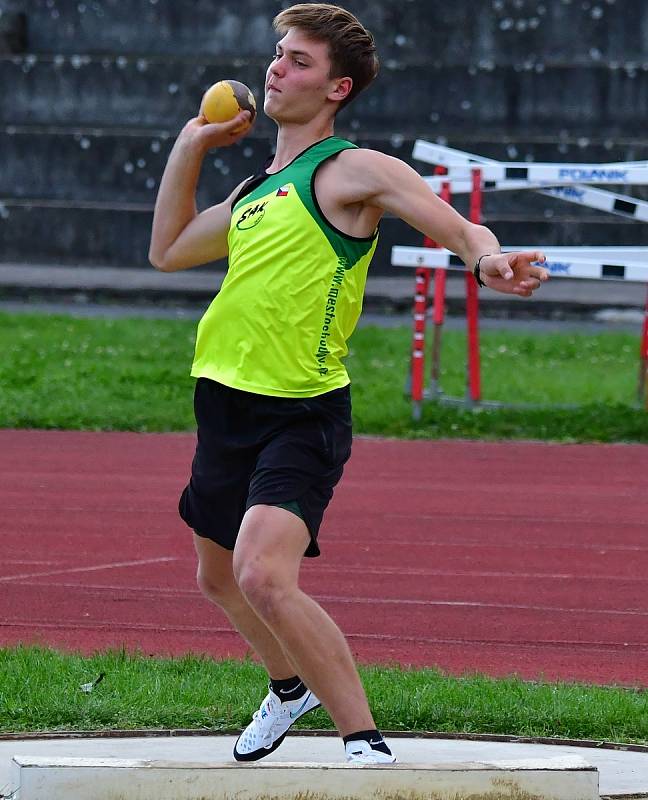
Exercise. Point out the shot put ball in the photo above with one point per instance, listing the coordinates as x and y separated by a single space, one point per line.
225 99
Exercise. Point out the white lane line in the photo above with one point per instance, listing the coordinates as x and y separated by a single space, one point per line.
116 626
123 588
440 573
534 644
474 604
166 592
28 515
69 571
512 518
484 544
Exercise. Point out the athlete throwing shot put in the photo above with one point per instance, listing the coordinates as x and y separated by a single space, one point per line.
272 397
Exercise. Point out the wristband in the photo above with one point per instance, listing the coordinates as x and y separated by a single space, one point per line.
476 272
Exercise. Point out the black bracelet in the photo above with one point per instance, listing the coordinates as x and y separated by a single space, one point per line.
476 272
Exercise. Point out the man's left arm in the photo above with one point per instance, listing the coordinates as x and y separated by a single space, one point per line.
390 184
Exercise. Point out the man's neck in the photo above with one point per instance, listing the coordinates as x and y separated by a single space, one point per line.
294 139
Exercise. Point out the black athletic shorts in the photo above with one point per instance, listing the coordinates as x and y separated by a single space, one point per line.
256 449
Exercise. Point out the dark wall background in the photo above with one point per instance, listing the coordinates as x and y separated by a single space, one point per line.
94 92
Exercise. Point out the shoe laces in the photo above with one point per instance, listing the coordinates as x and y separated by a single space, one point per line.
268 720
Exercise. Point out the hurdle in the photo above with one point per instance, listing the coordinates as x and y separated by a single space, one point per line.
592 263
642 395
420 299
468 172
415 383
600 199
537 175
607 266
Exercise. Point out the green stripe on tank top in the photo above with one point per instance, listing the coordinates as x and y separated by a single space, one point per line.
349 248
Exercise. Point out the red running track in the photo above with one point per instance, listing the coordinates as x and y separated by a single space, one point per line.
500 558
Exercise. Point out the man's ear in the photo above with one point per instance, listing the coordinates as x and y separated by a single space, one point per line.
342 90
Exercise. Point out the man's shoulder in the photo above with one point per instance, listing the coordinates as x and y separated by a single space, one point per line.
358 175
361 161
360 155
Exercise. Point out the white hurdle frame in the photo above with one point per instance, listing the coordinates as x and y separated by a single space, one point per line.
547 174
470 172
606 266
600 199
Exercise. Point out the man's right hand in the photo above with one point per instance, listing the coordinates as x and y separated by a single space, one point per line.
215 134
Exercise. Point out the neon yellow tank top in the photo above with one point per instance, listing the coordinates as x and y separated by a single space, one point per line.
293 291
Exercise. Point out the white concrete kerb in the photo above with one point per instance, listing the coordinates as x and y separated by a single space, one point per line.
44 778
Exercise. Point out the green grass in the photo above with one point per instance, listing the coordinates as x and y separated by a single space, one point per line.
40 690
63 372
103 374
597 373
129 374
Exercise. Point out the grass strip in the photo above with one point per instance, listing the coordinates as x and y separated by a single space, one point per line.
40 690
133 374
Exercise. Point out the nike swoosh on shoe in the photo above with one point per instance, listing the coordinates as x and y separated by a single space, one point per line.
295 714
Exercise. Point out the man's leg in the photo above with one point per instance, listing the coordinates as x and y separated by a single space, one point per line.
288 698
267 556
216 581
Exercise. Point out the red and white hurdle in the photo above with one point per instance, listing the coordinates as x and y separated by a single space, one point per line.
595 263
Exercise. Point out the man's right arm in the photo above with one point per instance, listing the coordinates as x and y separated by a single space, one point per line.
181 237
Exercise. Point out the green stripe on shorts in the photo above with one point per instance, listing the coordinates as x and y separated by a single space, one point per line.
292 506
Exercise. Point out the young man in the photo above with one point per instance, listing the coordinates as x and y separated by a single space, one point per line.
272 396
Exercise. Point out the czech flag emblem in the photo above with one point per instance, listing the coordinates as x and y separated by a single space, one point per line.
282 191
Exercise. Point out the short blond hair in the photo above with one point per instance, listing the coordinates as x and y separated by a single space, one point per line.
352 49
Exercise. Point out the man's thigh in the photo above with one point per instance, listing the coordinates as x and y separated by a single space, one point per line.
213 502
302 463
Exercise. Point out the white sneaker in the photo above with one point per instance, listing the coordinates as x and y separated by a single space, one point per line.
270 724
362 752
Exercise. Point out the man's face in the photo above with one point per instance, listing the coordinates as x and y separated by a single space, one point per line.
297 80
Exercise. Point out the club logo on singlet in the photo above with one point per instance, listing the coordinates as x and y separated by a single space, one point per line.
251 216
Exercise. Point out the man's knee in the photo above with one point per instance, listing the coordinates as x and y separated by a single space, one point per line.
261 588
218 587
266 558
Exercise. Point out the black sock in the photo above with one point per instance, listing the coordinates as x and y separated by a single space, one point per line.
374 738
289 688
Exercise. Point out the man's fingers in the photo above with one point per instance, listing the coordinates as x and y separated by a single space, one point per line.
522 265
527 260
242 118
528 257
517 261
540 273
531 283
504 268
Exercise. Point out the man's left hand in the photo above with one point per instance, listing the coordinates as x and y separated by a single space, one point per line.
514 273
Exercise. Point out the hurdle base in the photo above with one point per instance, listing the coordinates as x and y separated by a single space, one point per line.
476 405
564 778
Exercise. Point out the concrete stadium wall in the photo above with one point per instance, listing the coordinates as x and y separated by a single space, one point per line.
465 30
96 90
